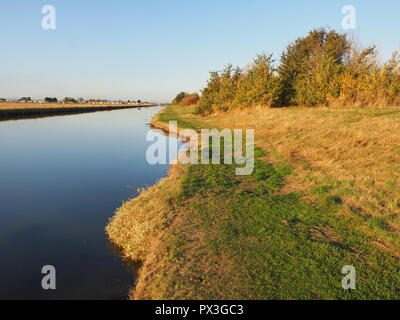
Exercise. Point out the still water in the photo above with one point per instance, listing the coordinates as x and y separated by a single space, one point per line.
61 179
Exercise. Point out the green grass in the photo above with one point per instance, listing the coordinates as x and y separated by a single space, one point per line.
184 114
281 246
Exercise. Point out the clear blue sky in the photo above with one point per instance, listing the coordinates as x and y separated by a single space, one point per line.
150 50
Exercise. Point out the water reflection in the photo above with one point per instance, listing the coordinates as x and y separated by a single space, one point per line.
61 179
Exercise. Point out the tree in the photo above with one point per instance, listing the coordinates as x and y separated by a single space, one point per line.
25 99
50 100
322 68
179 97
309 64
69 100
190 99
259 85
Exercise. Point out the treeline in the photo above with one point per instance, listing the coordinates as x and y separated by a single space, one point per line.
50 100
69 100
186 99
323 68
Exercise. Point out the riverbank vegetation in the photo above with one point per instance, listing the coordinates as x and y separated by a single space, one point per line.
324 195
323 68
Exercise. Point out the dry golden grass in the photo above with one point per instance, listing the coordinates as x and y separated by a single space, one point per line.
136 221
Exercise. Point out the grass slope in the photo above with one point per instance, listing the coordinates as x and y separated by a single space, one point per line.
286 231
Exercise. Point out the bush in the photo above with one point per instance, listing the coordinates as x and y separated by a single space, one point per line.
259 85
179 98
308 66
190 99
186 99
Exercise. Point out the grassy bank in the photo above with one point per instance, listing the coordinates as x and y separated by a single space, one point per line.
11 111
324 194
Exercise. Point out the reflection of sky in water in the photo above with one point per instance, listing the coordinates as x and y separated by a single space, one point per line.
61 179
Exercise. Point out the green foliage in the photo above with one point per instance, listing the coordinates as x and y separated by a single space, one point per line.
239 88
220 91
308 66
260 85
322 68
391 72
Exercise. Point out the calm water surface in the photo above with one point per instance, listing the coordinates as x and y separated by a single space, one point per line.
61 178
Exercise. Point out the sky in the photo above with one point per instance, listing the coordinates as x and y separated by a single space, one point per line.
153 49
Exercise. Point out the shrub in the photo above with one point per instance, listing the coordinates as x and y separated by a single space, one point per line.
308 66
391 76
259 85
190 99
186 99
179 98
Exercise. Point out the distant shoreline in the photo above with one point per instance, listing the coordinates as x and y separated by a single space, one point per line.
15 111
